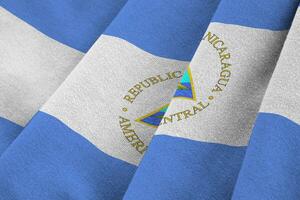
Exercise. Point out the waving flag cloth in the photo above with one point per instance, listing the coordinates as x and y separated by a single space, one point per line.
41 42
88 138
199 146
270 169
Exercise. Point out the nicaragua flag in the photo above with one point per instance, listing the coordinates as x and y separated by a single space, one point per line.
270 167
87 140
41 42
149 100
199 147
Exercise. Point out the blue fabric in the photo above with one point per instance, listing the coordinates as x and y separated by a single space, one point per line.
271 169
76 23
182 169
169 28
271 14
50 161
8 133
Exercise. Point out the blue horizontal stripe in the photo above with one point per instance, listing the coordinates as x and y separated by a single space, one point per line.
169 28
8 133
50 161
183 169
271 166
76 23
270 14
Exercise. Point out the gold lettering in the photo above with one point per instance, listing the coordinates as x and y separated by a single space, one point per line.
177 115
223 81
177 74
225 73
153 80
209 36
226 56
167 119
217 88
202 105
123 120
133 92
225 66
187 114
218 42
161 79
128 98
138 87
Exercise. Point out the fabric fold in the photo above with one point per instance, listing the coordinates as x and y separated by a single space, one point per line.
41 42
199 146
88 138
149 100
270 167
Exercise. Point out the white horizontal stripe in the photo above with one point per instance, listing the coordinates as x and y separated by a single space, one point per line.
91 99
229 117
32 66
283 96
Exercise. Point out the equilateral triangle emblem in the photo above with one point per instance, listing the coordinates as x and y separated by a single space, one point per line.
153 118
185 88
